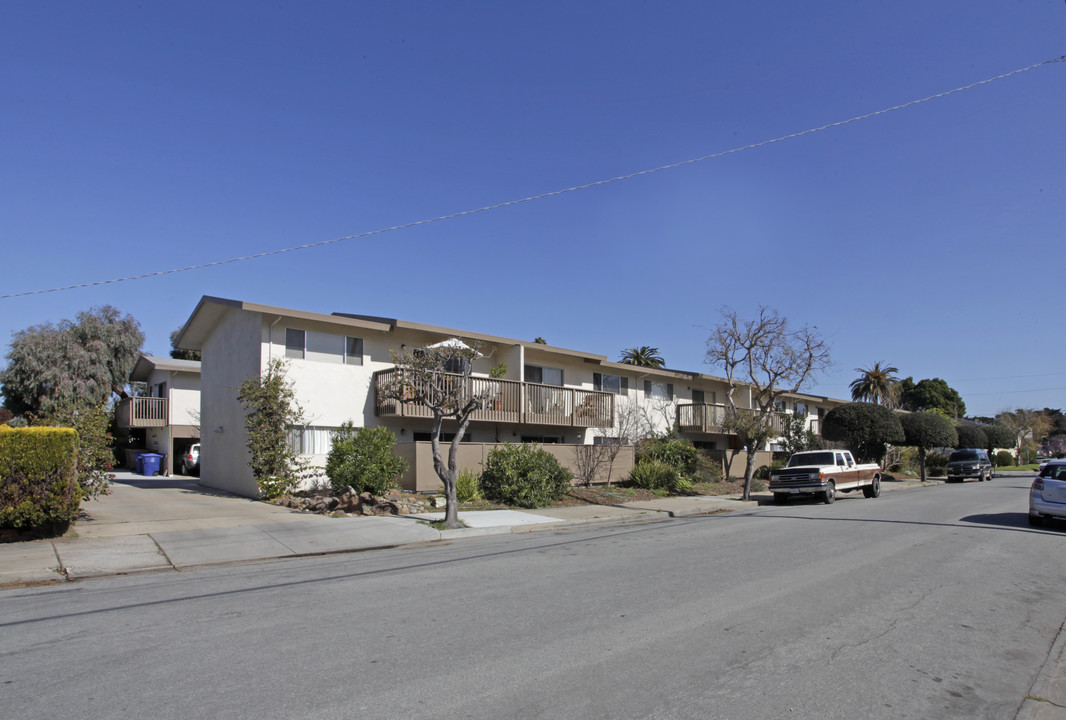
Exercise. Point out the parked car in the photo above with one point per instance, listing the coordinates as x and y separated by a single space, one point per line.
1047 496
191 460
822 473
967 463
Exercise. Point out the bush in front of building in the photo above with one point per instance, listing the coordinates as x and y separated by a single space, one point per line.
38 477
524 476
1004 457
659 476
362 458
467 486
690 465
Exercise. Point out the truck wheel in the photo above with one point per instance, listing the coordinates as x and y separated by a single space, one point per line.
830 493
780 498
873 489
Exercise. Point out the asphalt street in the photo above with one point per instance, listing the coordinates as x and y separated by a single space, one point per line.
939 602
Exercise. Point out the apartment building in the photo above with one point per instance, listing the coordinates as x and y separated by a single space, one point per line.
338 362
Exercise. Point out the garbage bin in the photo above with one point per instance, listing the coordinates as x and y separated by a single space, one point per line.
150 463
140 463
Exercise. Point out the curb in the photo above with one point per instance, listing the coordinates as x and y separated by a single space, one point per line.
1036 704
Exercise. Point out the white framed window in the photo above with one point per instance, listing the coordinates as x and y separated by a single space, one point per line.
659 390
544 375
617 384
801 409
353 351
295 343
311 440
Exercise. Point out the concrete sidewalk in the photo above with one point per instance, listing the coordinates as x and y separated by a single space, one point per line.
156 523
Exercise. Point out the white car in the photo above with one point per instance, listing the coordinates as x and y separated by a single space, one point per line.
191 460
1047 496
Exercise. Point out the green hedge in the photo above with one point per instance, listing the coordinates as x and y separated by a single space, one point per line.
38 477
524 476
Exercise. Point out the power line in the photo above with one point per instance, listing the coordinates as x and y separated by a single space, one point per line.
542 196
1014 392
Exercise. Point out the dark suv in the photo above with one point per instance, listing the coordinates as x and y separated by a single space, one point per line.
967 463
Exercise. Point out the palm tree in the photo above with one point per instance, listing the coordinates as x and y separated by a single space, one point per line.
644 356
876 384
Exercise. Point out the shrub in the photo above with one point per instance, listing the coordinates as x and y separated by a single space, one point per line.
652 474
936 464
763 472
38 477
363 459
1004 457
691 463
95 456
467 486
524 476
270 403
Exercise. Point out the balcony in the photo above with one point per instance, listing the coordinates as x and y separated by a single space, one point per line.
702 417
142 412
710 418
510 401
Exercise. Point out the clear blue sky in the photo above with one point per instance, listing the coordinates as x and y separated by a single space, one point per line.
140 137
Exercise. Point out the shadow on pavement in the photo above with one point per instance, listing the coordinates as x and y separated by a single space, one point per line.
1018 521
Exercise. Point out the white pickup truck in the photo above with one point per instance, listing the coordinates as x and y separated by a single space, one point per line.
824 473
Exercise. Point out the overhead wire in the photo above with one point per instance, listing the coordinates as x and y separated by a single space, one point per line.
542 196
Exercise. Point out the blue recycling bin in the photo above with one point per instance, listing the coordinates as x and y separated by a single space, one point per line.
149 463
140 463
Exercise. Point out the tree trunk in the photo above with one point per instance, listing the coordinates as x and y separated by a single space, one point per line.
749 473
446 472
921 461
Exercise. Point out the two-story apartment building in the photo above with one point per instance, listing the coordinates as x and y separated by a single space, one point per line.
169 412
337 363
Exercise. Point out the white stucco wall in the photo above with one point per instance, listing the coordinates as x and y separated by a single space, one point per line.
231 354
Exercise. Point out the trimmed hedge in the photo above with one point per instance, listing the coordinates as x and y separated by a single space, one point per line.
38 477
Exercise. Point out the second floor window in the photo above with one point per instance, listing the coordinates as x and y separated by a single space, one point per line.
610 383
295 343
544 375
353 351
659 390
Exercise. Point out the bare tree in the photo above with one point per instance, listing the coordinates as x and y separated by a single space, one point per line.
1025 424
769 359
592 460
438 378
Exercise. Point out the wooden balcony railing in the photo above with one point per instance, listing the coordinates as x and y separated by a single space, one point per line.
710 418
701 417
510 401
139 412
